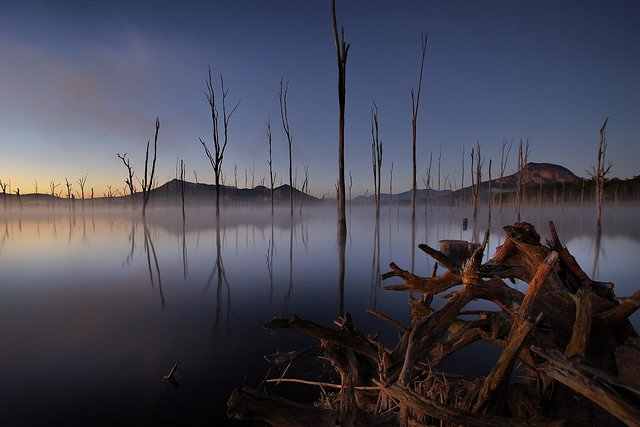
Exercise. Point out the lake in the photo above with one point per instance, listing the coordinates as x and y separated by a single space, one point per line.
97 306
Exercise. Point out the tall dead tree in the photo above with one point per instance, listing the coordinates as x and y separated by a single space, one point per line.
462 180
376 157
282 97
504 158
427 183
272 176
342 50
523 159
599 172
350 185
415 104
218 146
476 177
390 187
147 180
182 190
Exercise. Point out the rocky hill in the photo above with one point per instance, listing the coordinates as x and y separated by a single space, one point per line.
536 173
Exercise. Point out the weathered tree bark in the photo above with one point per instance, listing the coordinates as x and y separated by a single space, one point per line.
399 385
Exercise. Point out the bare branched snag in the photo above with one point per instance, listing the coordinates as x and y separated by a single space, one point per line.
147 180
130 174
284 115
564 329
415 105
216 158
342 50
599 172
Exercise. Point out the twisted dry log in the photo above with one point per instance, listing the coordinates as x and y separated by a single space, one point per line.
562 311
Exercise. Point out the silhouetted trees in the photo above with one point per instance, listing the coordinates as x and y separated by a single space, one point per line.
217 157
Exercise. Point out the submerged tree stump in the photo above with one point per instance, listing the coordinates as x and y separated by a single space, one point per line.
571 335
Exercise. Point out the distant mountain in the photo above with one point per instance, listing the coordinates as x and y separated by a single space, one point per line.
172 189
537 173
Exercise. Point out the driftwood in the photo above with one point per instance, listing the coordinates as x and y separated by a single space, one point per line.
570 335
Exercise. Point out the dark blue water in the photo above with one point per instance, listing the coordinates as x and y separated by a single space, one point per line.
96 307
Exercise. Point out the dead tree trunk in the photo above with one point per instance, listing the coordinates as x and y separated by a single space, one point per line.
415 105
376 157
272 176
342 50
521 179
504 159
282 97
219 147
600 172
147 181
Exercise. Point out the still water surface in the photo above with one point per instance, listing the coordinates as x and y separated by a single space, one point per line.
96 307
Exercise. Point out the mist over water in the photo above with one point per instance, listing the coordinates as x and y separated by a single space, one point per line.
97 305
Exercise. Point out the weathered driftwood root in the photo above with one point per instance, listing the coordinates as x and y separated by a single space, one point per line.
566 328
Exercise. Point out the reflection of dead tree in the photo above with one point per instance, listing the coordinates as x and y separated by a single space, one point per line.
150 250
217 157
132 240
415 105
566 328
221 284
287 297
375 265
147 181
270 264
